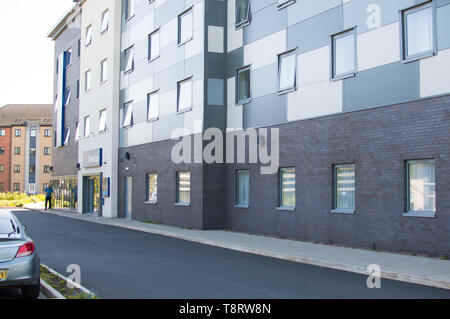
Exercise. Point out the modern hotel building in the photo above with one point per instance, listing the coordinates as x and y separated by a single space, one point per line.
358 91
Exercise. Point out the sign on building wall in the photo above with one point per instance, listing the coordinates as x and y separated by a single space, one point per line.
106 182
92 158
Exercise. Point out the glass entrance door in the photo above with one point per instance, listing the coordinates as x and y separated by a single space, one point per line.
91 196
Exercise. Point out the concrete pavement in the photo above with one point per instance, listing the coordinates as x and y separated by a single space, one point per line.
431 272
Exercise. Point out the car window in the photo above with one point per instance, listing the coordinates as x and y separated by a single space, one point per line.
6 226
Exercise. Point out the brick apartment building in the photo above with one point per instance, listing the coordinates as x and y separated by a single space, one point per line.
25 148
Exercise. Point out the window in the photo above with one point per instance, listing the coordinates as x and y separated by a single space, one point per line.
32 151
78 89
243 85
46 169
46 150
16 187
105 22
183 187
68 57
32 169
87 80
16 168
2 168
287 187
152 188
185 27
16 150
2 132
2 150
18 132
185 95
129 9
102 121
2 186
129 60
77 132
287 71
421 188
243 188
87 126
88 39
47 133
418 32
66 135
33 131
79 48
343 54
153 106
127 115
242 13
153 45
284 3
344 188
67 97
103 70
57 66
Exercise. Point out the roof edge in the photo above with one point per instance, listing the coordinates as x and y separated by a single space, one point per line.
59 26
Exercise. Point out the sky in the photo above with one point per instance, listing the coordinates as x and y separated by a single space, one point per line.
26 54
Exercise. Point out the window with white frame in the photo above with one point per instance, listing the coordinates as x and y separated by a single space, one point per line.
69 57
153 106
77 132
418 32
153 45
343 54
102 121
87 80
127 114
129 60
287 71
243 188
105 22
152 188
185 27
183 187
421 186
46 150
344 188
67 97
284 3
103 70
16 168
287 187
66 135
17 132
243 85
2 132
87 126
47 133
129 9
88 39
242 13
185 95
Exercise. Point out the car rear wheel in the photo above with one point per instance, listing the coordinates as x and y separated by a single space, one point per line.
31 292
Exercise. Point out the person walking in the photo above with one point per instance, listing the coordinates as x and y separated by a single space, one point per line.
48 196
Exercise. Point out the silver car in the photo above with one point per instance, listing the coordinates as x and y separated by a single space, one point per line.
19 261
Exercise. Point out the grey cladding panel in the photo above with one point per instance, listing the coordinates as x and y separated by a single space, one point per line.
388 84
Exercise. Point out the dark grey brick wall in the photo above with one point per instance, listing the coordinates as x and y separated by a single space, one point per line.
156 158
378 141
64 159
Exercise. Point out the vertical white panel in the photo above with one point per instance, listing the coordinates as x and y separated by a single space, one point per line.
435 74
